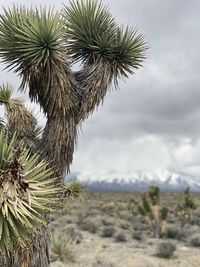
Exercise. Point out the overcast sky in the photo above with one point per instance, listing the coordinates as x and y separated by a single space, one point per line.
153 122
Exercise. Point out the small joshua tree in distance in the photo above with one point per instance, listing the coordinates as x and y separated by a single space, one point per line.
185 210
150 209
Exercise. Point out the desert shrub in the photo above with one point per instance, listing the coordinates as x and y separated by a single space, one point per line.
123 214
135 227
139 227
173 233
109 208
74 235
107 221
177 233
62 249
69 220
195 220
120 237
108 231
53 226
166 250
137 236
80 218
88 225
171 219
62 220
131 218
195 240
102 263
125 225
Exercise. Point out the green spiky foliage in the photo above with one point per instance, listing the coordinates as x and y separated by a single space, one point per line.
94 36
19 119
154 194
145 203
26 195
74 189
106 50
186 208
62 249
150 209
189 201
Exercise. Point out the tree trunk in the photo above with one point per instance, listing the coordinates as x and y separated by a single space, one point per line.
58 143
37 256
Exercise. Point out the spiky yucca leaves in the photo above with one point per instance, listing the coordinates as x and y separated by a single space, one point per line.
26 193
93 34
31 42
74 189
19 118
154 194
90 30
106 50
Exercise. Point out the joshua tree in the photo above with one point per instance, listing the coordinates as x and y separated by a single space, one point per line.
41 46
185 210
149 207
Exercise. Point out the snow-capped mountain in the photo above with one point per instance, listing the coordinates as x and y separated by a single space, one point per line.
140 181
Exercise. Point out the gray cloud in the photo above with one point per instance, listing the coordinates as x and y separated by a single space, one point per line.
153 120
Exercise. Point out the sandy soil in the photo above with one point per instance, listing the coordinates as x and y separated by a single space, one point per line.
95 251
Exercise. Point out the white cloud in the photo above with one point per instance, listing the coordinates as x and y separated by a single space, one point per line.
148 153
188 154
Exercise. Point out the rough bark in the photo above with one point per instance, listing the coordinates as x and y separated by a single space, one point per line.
60 133
36 256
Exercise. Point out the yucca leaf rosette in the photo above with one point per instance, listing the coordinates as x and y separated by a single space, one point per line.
105 50
19 118
93 35
27 192
32 43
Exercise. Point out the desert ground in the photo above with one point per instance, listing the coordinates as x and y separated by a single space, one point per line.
99 230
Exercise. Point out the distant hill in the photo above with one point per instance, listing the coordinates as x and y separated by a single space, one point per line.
167 181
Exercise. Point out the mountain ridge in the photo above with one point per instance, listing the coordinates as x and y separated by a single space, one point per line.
138 181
